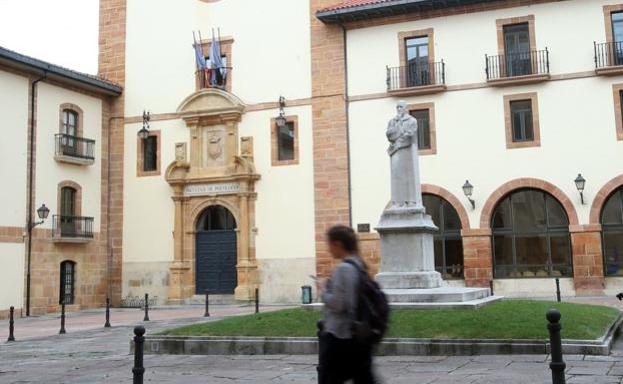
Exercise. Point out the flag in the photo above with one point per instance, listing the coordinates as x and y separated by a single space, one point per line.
203 70
219 72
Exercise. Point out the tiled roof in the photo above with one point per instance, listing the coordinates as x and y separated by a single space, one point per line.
14 59
353 3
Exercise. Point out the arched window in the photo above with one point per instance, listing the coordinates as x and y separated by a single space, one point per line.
531 236
68 274
216 218
448 243
612 232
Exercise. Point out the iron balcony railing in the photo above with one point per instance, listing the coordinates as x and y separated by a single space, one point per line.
608 54
72 227
73 146
213 78
517 64
416 75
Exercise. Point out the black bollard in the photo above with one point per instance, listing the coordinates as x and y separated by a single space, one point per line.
138 369
207 312
107 324
62 331
558 289
257 300
555 344
491 286
146 318
11 324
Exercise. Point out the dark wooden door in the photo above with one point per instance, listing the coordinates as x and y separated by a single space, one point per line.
216 258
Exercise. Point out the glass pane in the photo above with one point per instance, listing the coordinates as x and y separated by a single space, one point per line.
527 125
613 252
521 114
285 143
611 213
502 218
150 147
517 38
617 26
529 211
561 249
503 250
423 122
433 208
531 253
556 215
439 254
454 257
450 217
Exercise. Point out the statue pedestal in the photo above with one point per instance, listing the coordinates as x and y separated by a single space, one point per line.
407 249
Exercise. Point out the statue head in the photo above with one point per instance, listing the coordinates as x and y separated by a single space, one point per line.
401 108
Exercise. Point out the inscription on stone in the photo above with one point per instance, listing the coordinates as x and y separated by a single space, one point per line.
211 189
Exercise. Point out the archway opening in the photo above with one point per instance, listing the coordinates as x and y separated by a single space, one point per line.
216 255
611 220
531 236
448 241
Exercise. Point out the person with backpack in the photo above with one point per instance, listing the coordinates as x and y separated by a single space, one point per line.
355 314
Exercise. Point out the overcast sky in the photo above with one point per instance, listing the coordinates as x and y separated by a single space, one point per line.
63 32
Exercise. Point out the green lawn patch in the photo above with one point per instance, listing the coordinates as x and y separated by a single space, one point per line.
509 319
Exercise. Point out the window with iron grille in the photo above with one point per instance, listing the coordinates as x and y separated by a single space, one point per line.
68 271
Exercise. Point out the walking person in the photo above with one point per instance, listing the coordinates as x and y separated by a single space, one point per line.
346 342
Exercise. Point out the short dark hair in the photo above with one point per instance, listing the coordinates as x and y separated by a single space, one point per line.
345 236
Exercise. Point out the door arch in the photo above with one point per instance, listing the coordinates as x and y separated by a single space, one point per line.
216 255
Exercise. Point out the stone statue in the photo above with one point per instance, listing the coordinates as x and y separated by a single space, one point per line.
403 152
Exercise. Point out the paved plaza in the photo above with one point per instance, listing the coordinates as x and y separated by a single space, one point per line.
88 353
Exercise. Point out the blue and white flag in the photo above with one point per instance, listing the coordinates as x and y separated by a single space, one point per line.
219 72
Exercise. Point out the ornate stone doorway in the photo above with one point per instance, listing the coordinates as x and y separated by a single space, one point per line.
218 171
216 252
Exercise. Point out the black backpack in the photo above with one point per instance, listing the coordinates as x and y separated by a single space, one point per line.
372 310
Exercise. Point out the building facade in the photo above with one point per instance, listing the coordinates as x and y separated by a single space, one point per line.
234 182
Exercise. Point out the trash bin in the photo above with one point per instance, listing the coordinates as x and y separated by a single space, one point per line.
306 294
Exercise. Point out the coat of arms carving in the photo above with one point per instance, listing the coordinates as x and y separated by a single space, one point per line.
215 147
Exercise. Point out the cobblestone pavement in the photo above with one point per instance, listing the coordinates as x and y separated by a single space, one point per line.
102 356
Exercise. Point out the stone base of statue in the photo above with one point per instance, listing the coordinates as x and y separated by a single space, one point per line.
407 249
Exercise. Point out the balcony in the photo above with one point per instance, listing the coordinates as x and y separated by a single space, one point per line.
72 229
74 150
609 58
517 68
416 79
214 78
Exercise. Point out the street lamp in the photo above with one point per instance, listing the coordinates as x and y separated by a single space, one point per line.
144 132
468 189
43 213
580 183
281 119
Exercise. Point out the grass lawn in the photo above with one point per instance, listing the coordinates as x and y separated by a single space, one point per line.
509 319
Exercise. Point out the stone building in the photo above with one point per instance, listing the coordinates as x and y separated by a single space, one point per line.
234 186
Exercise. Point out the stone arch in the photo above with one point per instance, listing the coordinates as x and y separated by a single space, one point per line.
79 123
198 210
450 198
510 186
601 198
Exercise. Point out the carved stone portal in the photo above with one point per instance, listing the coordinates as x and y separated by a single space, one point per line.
217 174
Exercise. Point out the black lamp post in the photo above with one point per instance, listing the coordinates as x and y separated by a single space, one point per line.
42 213
144 132
468 189
580 183
281 119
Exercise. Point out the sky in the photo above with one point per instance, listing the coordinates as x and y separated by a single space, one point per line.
63 32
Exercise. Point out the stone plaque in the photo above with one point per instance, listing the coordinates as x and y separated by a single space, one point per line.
211 189
180 152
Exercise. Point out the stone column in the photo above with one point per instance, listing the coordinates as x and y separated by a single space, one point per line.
588 270
477 257
245 288
179 267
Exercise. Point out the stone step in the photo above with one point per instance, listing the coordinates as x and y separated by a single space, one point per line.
214 299
436 295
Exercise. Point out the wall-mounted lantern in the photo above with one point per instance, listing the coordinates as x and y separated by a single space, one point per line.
281 119
144 132
468 189
580 183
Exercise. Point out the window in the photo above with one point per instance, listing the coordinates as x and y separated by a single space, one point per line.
531 236
68 270
69 131
521 115
448 242
618 109
285 142
149 155
423 125
517 49
612 233
417 69
617 26
68 212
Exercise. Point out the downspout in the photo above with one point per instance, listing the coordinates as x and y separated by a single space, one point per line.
347 115
29 223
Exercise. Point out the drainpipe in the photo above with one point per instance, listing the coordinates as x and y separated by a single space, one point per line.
347 113
29 223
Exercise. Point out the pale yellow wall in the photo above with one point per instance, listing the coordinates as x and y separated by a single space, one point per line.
463 40
13 148
50 173
11 275
271 54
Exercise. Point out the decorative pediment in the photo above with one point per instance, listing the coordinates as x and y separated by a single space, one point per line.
211 106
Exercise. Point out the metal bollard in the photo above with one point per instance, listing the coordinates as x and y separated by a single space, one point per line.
107 324
62 331
558 289
138 370
555 343
257 300
11 324
207 312
146 318
491 287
